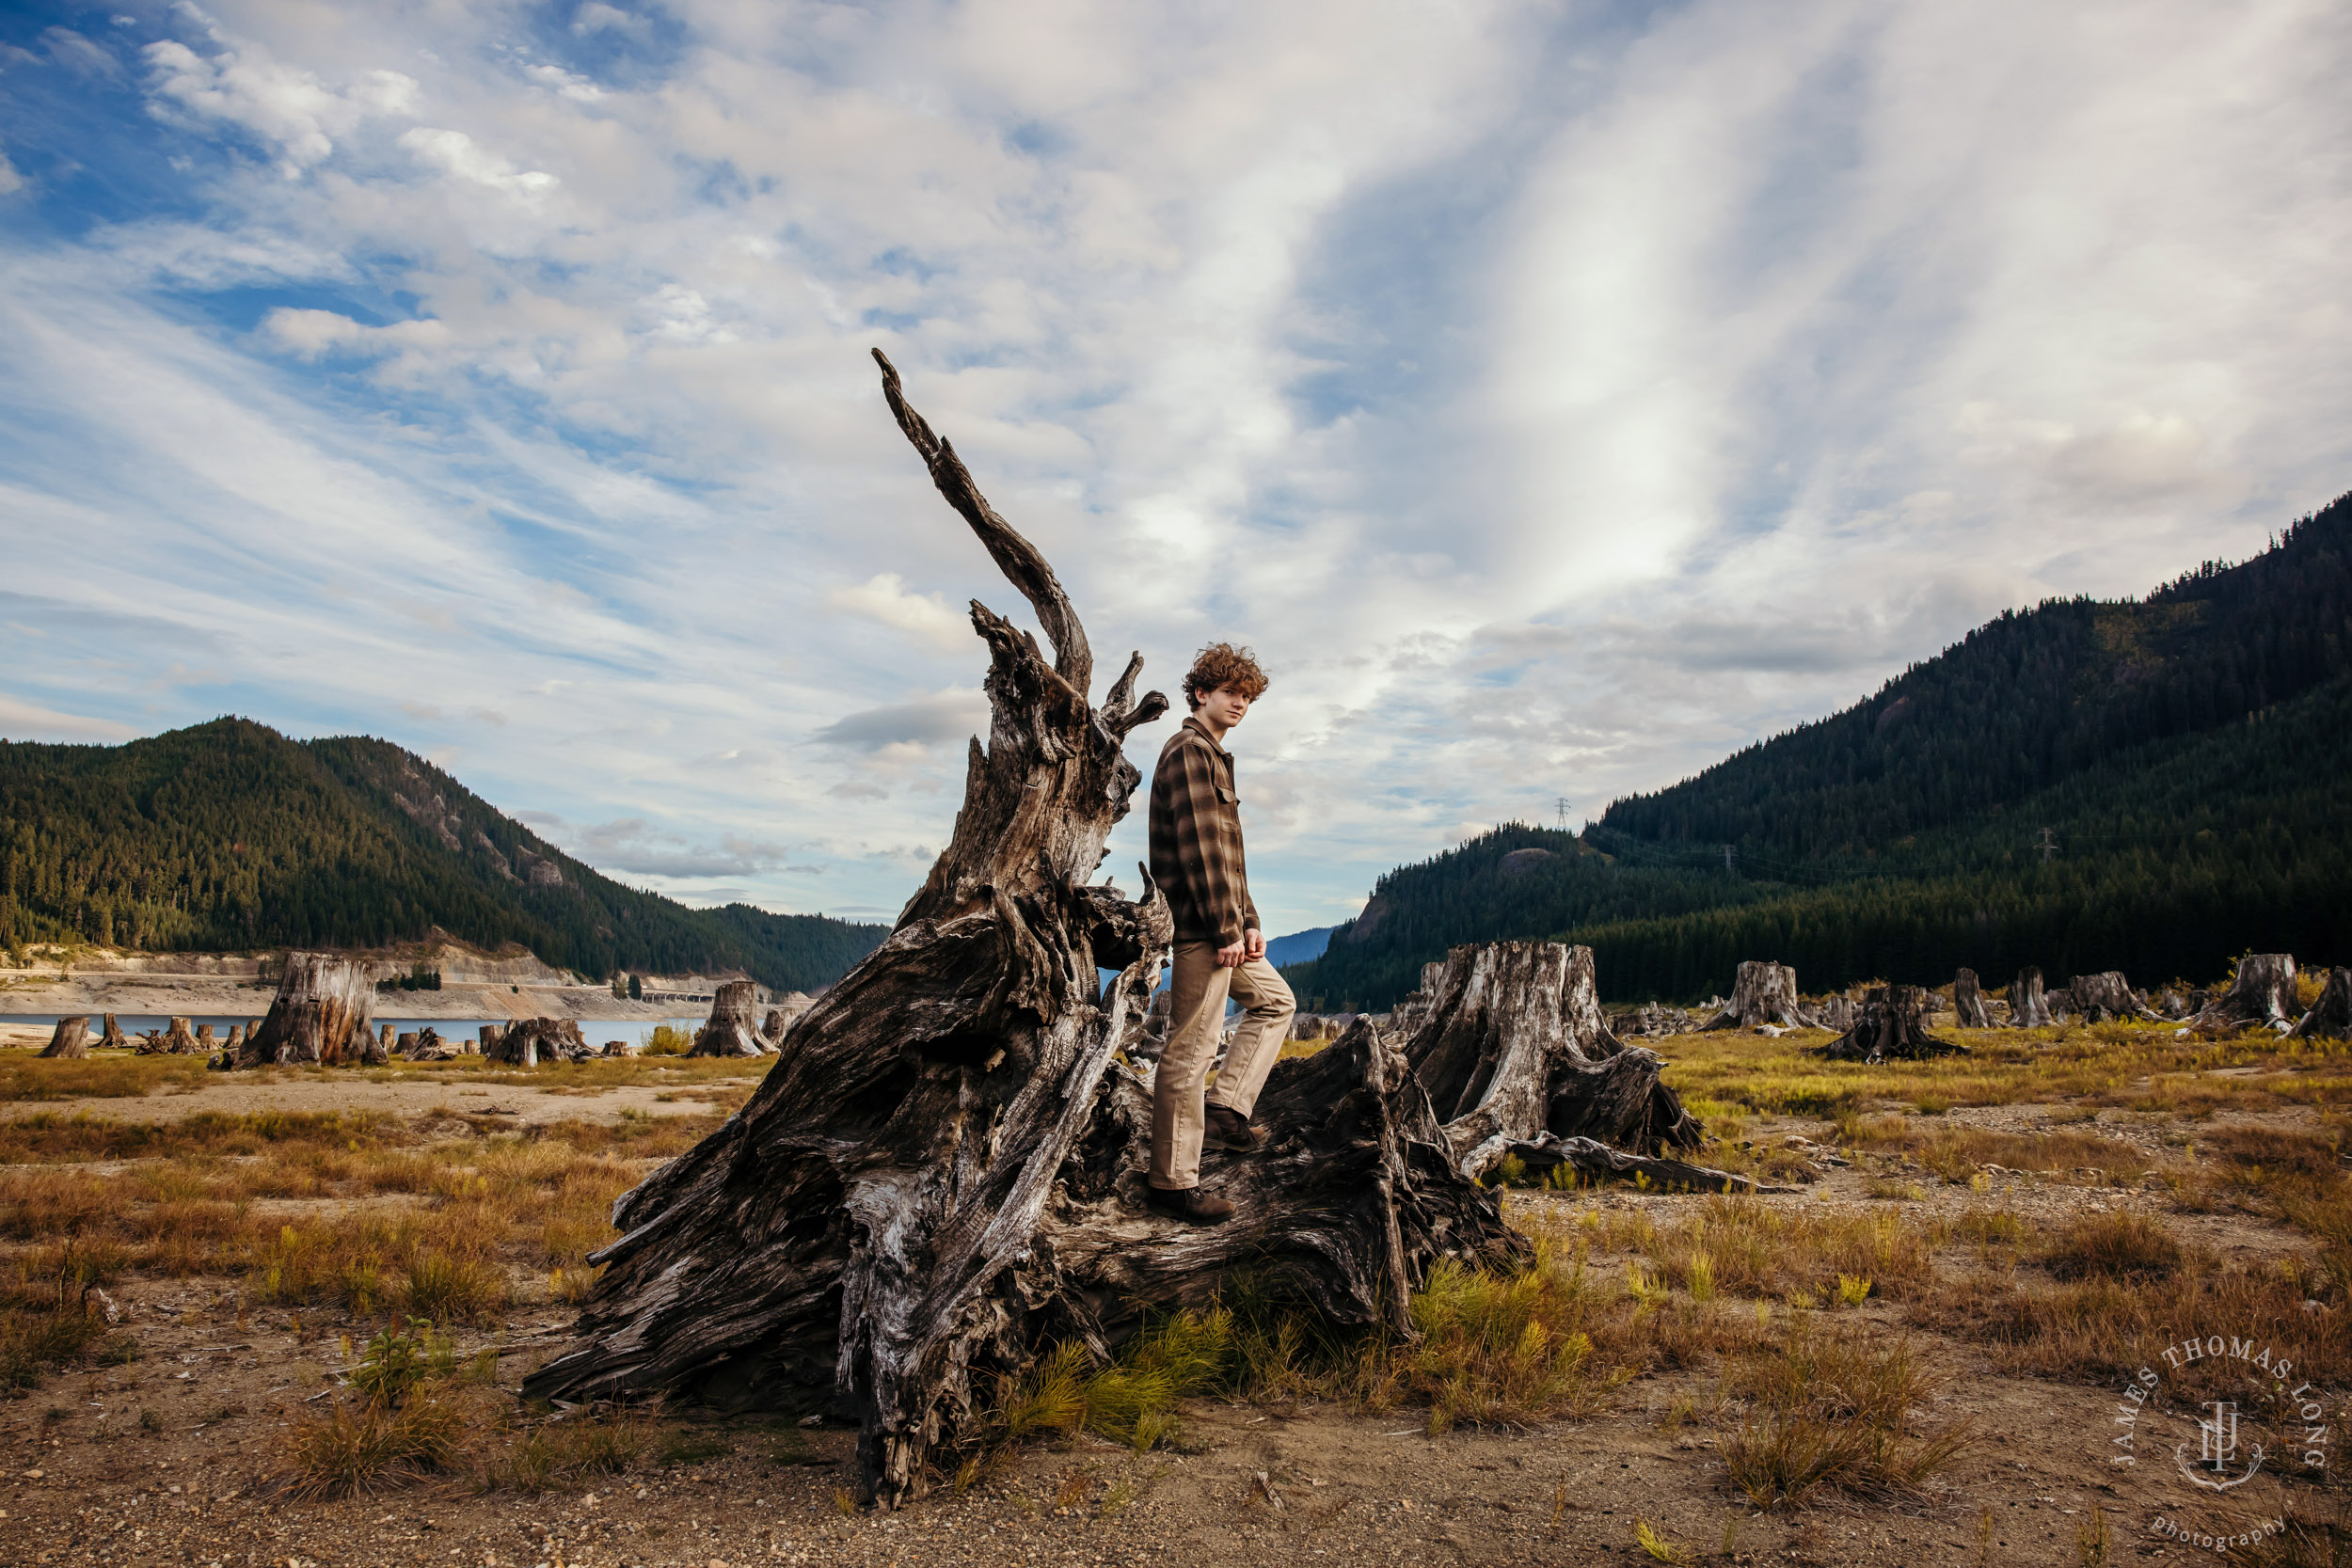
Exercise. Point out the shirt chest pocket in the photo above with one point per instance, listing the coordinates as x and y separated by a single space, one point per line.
1226 794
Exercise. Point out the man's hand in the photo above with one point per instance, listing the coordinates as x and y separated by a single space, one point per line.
1255 942
1235 956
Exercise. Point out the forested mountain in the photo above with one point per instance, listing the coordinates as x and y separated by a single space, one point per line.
2190 755
229 836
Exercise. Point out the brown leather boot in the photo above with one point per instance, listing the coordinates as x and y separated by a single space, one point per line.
1229 1129
1189 1204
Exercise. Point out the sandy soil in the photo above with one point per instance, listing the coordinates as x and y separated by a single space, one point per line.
178 1456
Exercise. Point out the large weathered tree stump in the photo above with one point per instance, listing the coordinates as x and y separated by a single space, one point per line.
1968 1009
321 1015
113 1039
2028 1003
2331 1017
2104 998
942 1173
1766 993
733 1027
68 1038
2263 993
1513 1048
527 1042
1888 1025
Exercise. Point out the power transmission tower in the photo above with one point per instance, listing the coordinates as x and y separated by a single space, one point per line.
1564 814
2048 845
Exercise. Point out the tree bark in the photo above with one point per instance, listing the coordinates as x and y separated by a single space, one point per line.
943 1170
527 1042
114 1039
1514 1047
1888 1025
2101 997
2263 993
731 1030
1766 993
68 1039
321 1015
176 1041
2331 1017
1968 1002
2029 1005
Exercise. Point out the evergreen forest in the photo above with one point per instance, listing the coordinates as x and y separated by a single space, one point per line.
228 836
2154 786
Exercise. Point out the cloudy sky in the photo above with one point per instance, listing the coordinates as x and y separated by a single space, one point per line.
1555 396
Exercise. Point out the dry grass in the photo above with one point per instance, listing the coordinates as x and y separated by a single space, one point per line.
1833 1410
1956 1151
1774 1249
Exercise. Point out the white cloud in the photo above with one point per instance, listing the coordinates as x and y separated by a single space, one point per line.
10 181
1557 400
884 597
22 720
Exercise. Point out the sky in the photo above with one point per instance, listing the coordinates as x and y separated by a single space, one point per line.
1556 397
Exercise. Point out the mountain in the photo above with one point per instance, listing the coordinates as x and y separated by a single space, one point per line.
1299 947
2153 785
231 836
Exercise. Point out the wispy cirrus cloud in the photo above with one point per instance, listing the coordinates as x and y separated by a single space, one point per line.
1555 399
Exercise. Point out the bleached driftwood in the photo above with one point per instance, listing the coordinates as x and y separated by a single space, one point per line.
2103 998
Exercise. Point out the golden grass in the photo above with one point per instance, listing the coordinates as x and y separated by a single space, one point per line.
1773 1249
1954 1152
1823 1410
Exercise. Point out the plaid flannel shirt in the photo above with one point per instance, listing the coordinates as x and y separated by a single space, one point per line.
1195 840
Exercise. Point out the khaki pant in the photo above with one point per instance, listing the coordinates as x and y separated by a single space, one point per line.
1195 1020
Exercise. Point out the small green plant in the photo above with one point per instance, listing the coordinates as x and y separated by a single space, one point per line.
1852 1289
2093 1538
1657 1546
1701 1276
394 1363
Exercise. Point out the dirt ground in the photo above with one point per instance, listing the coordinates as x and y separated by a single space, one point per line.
180 1456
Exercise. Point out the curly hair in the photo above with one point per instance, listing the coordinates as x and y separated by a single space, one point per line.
1221 665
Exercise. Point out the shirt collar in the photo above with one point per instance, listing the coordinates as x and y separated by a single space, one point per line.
1192 722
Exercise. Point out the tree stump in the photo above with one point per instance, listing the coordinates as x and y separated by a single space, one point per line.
529 1042
69 1039
1766 993
2028 1003
1514 1047
2103 998
321 1015
732 1029
942 1173
177 1039
1968 1002
2331 1017
1888 1025
113 1037
2263 993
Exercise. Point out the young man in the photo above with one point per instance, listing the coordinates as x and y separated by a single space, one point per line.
1220 949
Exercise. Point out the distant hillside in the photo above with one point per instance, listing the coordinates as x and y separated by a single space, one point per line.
228 835
1299 947
2190 754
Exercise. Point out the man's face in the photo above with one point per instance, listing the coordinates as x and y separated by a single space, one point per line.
1224 708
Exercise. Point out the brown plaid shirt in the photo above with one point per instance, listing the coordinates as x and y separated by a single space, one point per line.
1195 840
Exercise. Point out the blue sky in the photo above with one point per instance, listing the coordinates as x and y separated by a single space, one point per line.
1557 397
